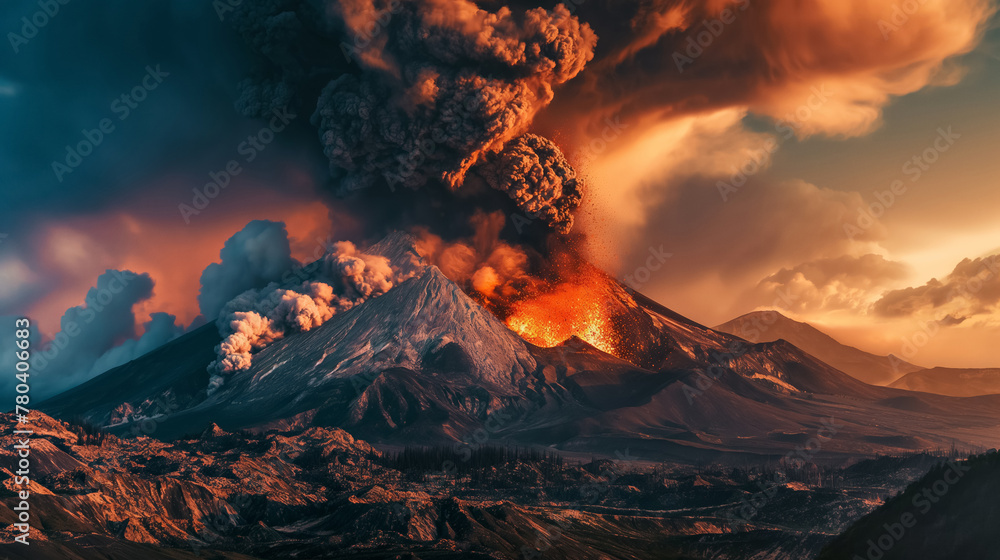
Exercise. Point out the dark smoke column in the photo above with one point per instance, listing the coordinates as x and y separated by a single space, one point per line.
434 89
534 172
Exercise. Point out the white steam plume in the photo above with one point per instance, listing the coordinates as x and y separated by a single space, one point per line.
256 318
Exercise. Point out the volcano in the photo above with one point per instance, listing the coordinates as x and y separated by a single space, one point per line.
424 363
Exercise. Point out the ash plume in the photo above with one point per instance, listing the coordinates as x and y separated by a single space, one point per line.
486 267
533 171
437 95
432 91
258 317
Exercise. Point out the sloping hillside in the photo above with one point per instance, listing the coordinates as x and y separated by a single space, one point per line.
768 326
957 382
948 514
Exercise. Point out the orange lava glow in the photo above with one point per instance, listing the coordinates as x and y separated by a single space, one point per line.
570 309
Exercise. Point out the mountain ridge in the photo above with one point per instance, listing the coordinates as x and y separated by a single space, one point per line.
767 326
424 362
955 382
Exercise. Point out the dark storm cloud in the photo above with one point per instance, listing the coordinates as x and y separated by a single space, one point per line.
73 75
58 89
431 89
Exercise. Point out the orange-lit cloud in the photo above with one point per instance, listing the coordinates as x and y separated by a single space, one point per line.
722 249
841 283
707 96
826 67
942 322
483 263
675 57
681 76
971 289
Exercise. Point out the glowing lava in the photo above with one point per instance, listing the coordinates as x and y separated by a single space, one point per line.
570 309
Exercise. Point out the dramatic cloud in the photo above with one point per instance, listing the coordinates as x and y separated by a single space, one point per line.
124 195
829 284
689 80
346 278
972 288
714 261
99 334
255 256
662 58
443 86
159 330
631 175
64 256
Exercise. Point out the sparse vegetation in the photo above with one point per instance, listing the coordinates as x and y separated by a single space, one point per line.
86 432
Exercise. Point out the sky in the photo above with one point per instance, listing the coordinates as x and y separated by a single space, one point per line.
656 106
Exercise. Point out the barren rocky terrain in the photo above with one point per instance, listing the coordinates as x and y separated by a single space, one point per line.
321 493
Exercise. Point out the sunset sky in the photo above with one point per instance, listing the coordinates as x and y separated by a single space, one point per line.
825 104
784 228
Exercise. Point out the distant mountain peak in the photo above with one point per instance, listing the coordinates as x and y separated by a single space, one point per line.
213 431
771 325
760 319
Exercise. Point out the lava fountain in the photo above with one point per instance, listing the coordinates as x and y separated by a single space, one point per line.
577 307
545 299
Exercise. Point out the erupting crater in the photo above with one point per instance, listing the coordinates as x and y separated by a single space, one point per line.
570 309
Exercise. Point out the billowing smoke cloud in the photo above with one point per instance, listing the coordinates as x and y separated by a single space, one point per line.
258 317
443 86
484 265
666 58
535 174
100 334
253 257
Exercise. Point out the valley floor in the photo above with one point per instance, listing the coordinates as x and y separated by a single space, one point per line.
320 493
